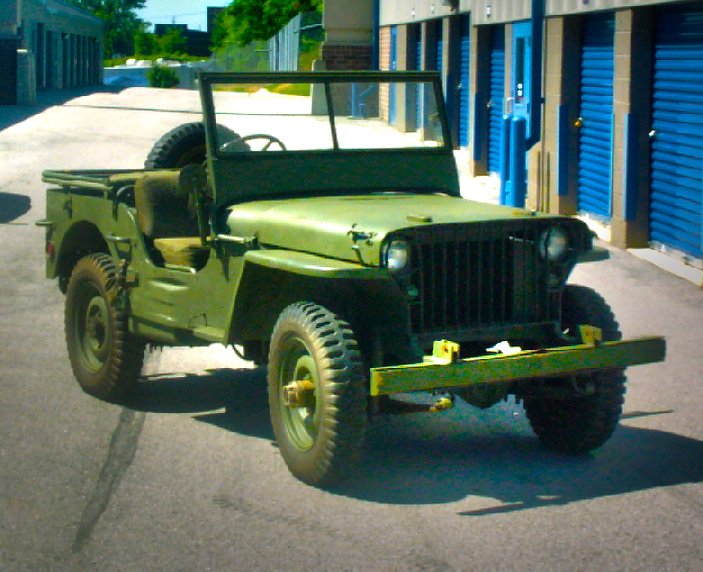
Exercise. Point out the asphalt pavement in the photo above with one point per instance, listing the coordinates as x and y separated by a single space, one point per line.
188 476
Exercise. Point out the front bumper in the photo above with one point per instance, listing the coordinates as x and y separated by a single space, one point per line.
443 371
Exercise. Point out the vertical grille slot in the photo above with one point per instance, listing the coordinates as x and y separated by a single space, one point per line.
477 275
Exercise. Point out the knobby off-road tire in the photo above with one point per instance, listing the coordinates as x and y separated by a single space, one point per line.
320 442
184 145
105 357
582 423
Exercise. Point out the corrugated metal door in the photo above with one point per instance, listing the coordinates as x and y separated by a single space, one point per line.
496 95
677 132
596 112
464 79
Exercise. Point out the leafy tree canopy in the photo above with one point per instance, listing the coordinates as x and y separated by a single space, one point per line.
173 43
246 21
121 21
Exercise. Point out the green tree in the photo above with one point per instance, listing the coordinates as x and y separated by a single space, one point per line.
246 21
121 22
145 43
173 42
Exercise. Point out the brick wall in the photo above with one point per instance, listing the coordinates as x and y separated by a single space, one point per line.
347 56
384 63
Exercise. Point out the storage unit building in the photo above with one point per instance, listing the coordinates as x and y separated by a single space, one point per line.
618 138
56 45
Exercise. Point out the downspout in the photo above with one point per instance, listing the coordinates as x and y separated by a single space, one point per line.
535 103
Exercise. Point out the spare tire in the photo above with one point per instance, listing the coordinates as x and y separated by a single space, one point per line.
184 145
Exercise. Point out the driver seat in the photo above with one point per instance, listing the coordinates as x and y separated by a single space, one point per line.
165 217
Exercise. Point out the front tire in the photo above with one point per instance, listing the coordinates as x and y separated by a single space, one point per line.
316 394
576 425
105 357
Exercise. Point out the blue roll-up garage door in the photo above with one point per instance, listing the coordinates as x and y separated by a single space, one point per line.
677 131
496 93
464 79
596 112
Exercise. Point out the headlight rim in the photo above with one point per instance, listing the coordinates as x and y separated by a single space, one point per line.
546 243
388 249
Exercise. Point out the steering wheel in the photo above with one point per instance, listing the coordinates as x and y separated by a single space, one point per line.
240 144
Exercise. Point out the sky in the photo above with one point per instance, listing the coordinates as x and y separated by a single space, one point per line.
190 12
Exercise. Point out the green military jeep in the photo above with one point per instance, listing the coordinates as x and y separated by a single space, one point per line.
314 222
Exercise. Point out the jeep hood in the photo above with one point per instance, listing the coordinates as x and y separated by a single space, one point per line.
352 227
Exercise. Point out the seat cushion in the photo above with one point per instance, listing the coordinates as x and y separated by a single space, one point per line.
184 251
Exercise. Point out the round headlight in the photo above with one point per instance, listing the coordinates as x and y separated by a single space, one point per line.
554 244
397 255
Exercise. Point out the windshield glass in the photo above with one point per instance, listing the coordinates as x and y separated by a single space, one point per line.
278 117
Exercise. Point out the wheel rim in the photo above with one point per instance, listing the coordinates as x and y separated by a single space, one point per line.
301 423
92 327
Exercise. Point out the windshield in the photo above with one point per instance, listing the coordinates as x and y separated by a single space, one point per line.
327 115
305 134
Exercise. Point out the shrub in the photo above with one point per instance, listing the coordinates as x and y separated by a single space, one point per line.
162 76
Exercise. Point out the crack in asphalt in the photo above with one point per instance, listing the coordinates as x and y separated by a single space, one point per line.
123 447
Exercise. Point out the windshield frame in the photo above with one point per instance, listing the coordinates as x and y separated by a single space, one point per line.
228 169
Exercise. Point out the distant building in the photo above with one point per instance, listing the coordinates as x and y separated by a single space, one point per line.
47 44
212 13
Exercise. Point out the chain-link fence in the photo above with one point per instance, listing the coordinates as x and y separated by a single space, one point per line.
293 48
251 58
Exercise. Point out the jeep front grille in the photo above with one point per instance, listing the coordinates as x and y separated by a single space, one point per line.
477 276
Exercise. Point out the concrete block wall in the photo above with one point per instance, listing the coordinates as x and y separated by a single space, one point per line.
633 64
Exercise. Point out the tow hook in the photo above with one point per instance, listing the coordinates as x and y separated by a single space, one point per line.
443 404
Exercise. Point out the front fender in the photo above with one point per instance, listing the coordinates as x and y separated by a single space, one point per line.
274 279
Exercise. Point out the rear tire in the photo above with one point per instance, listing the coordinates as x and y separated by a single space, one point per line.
320 438
579 424
105 357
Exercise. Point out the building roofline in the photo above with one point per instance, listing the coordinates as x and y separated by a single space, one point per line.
59 6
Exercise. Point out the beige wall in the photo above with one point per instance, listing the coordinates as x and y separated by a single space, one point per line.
561 7
348 22
494 11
